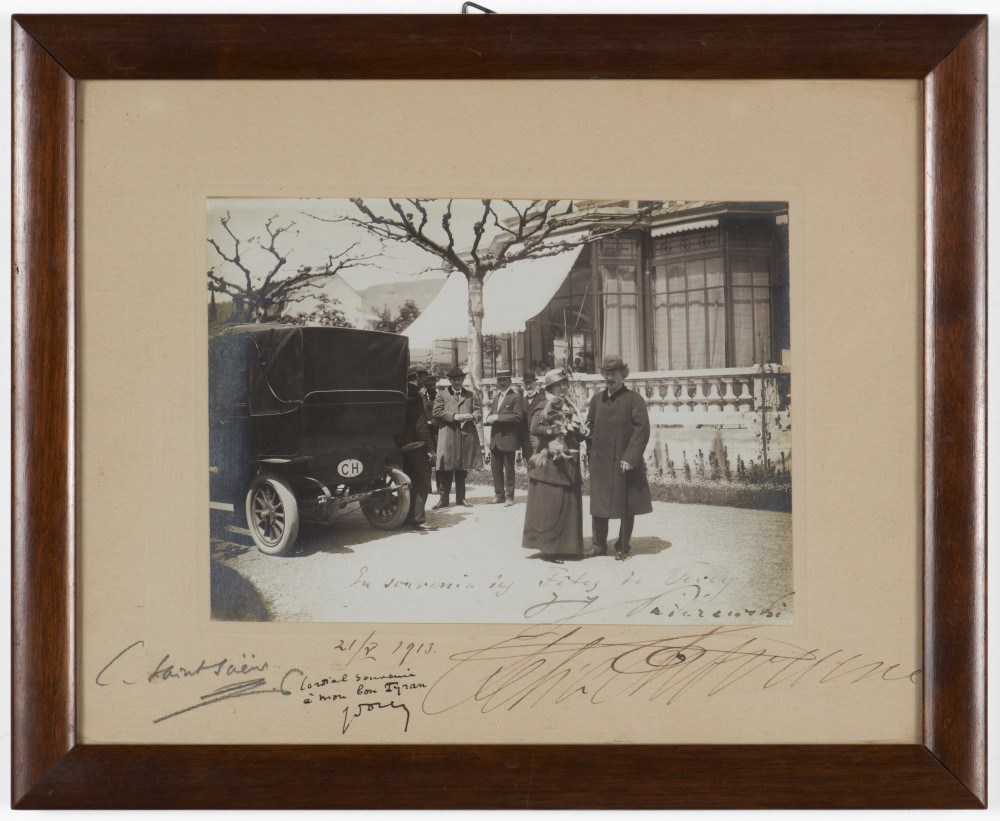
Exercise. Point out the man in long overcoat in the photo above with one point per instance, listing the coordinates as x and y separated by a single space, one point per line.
458 412
506 417
619 430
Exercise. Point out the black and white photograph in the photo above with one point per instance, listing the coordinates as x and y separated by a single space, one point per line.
499 411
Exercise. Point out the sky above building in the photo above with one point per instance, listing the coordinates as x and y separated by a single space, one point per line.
317 230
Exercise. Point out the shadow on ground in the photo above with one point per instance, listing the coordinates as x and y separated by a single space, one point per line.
234 598
230 547
647 546
320 538
230 541
230 538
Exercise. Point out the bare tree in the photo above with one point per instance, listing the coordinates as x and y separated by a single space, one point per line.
265 293
503 232
326 312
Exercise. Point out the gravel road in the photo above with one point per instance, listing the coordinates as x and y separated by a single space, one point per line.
690 564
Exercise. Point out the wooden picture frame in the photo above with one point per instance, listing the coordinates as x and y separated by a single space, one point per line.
52 769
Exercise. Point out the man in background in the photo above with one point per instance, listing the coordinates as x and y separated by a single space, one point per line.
530 399
428 393
457 412
506 417
418 449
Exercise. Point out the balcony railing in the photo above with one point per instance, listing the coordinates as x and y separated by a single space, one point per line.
696 397
738 417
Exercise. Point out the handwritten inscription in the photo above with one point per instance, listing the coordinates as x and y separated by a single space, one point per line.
165 671
557 610
368 681
370 707
555 664
692 593
364 581
364 694
341 688
686 593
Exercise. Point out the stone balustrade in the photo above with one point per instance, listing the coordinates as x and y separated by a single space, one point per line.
725 415
713 396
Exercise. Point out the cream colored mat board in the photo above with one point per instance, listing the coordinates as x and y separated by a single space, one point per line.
844 155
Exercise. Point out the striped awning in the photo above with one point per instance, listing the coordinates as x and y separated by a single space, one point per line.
680 227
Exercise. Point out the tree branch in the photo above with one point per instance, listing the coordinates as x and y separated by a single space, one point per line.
235 258
272 250
423 215
479 229
446 224
403 230
270 296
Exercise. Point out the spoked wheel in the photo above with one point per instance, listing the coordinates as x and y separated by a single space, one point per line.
388 510
272 514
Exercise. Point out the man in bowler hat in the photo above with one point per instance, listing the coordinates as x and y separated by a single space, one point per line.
619 430
457 412
506 417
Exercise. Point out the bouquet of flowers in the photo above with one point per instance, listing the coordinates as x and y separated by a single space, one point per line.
568 426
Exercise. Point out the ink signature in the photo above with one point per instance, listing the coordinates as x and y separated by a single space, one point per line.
240 689
573 608
166 670
555 663
251 678
369 707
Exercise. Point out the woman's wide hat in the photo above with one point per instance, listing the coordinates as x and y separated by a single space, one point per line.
555 376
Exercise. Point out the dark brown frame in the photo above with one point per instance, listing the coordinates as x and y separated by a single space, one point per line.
50 767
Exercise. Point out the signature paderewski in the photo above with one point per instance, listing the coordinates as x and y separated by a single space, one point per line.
553 664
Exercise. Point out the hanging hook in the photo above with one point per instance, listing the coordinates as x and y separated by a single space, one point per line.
465 8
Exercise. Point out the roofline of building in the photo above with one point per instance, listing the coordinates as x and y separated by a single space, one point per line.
676 212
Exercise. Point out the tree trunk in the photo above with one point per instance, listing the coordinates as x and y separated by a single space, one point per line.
475 365
476 311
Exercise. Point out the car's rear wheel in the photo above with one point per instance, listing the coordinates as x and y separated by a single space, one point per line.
272 514
388 509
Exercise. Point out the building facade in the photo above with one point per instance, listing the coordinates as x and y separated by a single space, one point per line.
709 290
694 296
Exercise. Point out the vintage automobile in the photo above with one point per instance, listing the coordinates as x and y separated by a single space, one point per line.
303 421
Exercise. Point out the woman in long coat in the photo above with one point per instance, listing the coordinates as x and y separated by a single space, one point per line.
553 519
458 413
619 431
